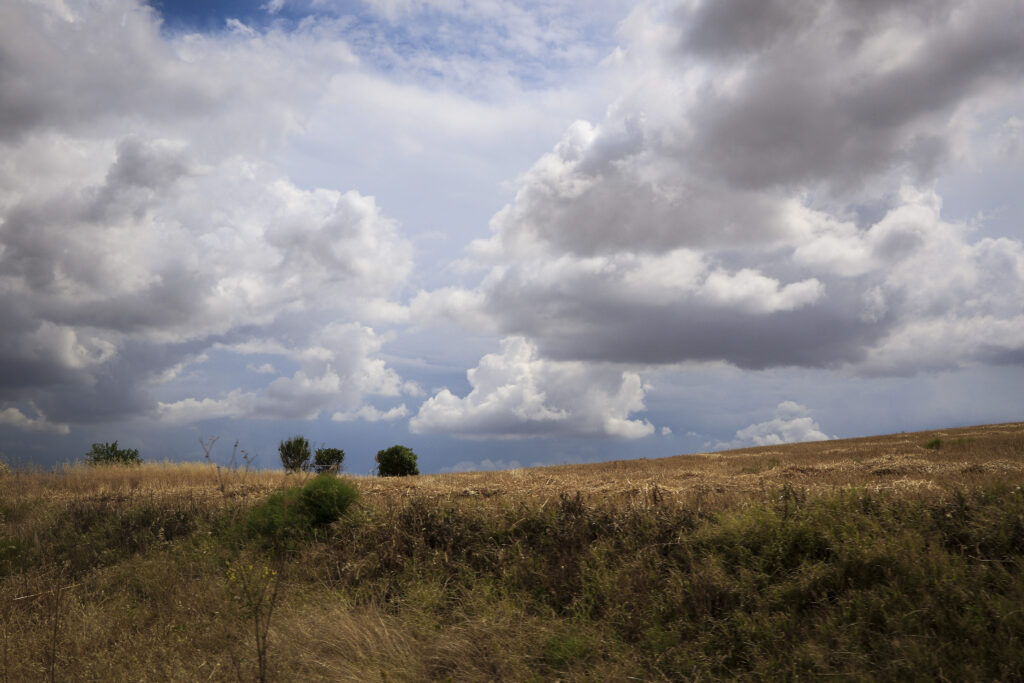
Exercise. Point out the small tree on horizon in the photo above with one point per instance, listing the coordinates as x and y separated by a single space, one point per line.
328 460
110 454
397 461
295 454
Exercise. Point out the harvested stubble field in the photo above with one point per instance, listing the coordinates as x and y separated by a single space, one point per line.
889 558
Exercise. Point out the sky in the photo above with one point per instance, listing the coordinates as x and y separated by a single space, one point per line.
506 234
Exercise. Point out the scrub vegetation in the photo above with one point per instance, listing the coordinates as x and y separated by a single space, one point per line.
397 461
876 558
295 454
110 454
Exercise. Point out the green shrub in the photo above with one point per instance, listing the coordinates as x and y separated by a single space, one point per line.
298 511
328 460
110 454
278 512
397 461
295 454
934 444
325 499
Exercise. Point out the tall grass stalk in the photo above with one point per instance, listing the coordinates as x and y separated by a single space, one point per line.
256 587
57 593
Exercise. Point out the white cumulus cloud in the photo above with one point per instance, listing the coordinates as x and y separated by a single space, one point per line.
337 374
517 394
144 221
763 193
791 424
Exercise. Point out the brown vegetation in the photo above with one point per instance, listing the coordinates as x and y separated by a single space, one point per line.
968 456
886 557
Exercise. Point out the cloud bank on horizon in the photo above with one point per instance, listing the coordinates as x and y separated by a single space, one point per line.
280 217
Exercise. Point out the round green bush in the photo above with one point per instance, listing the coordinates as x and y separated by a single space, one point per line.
397 461
328 460
298 511
278 513
326 498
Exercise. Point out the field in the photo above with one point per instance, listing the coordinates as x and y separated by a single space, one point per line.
884 558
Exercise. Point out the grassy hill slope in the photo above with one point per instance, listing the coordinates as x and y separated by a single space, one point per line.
893 557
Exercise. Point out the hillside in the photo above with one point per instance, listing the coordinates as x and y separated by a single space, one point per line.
967 455
889 557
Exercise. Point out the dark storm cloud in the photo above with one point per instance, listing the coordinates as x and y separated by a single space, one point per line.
70 377
24 362
119 388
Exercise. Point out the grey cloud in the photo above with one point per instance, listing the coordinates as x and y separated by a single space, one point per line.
713 157
54 244
1009 141
29 241
24 362
766 201
1002 356
173 300
142 177
67 65
605 190
817 108
117 389
114 387
742 28
145 164
621 212
582 322
109 286
730 28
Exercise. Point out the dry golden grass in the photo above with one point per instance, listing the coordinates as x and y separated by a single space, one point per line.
969 455
199 480
384 592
